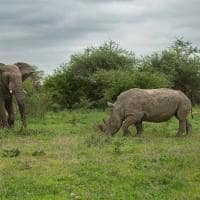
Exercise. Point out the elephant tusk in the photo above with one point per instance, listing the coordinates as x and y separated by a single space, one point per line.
11 91
25 92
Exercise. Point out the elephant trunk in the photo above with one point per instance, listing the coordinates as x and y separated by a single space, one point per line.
20 98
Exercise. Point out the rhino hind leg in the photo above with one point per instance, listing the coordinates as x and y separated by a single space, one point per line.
188 127
181 115
182 128
139 127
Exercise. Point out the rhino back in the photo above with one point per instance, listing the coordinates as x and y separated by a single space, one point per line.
157 104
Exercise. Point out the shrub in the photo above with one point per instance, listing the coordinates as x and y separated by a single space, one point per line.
37 101
181 64
72 85
111 83
100 74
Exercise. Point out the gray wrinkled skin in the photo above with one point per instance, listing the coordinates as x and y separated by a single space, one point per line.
134 106
11 85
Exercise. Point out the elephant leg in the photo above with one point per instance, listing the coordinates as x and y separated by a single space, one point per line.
10 109
3 121
139 128
130 120
182 128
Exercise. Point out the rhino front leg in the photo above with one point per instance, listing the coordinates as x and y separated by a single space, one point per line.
130 120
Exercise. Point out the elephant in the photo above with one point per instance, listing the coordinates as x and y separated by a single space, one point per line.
134 106
11 84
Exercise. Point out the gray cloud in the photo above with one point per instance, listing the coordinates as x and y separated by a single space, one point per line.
47 32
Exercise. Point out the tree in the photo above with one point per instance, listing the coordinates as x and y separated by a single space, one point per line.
111 83
72 84
100 74
181 64
37 101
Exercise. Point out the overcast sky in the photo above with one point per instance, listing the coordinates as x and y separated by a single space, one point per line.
46 32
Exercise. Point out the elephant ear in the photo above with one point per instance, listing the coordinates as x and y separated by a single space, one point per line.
2 67
25 69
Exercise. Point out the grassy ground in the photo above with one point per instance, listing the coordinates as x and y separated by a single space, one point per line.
63 156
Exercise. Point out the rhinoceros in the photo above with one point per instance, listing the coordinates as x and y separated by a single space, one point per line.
134 106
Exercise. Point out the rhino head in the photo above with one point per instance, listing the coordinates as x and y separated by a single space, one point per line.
114 123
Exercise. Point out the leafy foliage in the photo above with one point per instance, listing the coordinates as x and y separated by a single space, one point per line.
109 56
181 64
100 74
73 84
112 83
37 101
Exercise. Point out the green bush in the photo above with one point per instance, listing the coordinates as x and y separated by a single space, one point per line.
37 100
109 56
100 74
181 64
112 83
73 85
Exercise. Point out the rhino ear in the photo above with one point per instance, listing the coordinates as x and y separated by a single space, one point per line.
111 105
26 69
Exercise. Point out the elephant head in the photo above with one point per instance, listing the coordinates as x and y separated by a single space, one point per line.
11 80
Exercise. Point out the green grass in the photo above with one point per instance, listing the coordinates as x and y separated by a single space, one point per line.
64 156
